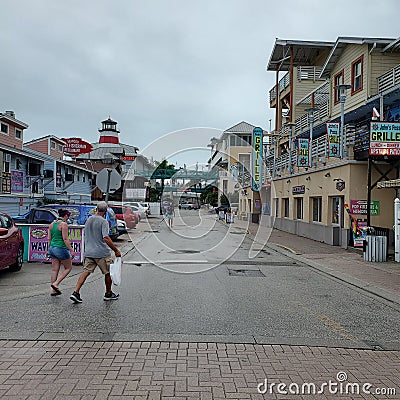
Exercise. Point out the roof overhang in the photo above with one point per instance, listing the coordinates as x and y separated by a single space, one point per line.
304 52
341 44
14 121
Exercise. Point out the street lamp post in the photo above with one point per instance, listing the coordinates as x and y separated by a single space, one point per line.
291 126
342 97
310 112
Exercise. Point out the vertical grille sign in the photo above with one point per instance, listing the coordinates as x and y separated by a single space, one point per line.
257 159
332 130
303 150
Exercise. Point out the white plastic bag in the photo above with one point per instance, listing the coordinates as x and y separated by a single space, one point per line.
116 271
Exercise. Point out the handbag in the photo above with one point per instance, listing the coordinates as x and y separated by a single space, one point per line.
116 271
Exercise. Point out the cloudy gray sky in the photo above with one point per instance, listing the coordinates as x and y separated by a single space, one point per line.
158 66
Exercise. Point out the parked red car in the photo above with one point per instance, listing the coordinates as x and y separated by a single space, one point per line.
125 214
11 244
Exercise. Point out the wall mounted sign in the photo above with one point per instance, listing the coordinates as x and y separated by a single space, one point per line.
6 182
384 139
257 159
360 207
303 150
17 181
76 146
128 158
298 189
340 186
332 131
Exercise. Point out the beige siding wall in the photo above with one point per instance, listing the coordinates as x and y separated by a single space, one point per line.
351 53
301 89
355 177
380 64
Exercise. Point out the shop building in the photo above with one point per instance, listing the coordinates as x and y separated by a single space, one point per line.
321 171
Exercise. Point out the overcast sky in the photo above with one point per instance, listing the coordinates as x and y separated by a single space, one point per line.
159 66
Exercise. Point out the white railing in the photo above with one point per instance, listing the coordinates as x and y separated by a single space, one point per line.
389 79
283 84
319 153
309 73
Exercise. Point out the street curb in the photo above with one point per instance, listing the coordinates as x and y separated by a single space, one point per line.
360 284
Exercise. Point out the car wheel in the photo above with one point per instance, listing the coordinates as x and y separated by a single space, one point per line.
19 260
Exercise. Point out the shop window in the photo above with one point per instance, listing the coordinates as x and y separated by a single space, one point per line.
316 209
33 169
299 208
18 164
357 75
4 128
285 206
338 80
336 210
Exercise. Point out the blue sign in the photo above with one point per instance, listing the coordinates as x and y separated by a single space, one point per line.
303 152
257 159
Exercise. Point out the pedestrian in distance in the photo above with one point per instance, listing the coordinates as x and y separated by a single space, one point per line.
60 250
169 214
97 253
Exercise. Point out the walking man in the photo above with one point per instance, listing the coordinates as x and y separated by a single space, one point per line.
97 245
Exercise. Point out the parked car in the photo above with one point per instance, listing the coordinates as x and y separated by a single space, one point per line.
136 206
37 215
11 244
121 227
188 206
45 215
125 213
147 206
140 211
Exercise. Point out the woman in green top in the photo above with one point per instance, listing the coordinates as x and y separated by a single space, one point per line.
60 250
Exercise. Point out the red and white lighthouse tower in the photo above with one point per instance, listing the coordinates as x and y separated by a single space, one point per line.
109 133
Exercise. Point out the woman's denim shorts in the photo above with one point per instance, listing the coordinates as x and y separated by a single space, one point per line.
59 252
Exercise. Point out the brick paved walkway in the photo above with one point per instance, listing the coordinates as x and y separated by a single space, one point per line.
161 370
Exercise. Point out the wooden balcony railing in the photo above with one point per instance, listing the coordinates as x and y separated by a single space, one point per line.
389 79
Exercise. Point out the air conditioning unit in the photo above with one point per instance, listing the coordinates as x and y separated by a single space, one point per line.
48 173
7 157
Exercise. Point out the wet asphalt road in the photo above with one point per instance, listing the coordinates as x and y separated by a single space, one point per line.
197 283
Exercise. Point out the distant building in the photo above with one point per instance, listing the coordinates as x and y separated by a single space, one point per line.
21 173
108 152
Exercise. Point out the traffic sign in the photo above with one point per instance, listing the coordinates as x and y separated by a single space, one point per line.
108 180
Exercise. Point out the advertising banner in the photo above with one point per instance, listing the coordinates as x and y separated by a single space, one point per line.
76 146
384 139
303 150
360 207
38 243
6 182
332 130
17 181
257 159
